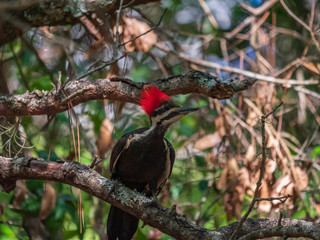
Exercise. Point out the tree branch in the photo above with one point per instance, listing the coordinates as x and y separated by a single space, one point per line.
121 89
167 221
18 16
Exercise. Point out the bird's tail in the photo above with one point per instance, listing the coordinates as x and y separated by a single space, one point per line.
121 225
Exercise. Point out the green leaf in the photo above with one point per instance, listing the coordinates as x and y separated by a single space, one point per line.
203 185
31 205
316 152
299 214
140 235
70 234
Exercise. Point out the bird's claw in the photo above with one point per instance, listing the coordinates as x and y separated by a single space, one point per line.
154 202
113 188
173 209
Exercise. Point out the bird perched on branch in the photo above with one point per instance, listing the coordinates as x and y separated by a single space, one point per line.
143 158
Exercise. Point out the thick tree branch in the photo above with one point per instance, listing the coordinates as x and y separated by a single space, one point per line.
166 220
18 16
76 92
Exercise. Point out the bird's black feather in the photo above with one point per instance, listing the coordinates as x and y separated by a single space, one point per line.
139 163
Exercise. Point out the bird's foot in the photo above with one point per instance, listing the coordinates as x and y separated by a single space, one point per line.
173 209
154 202
113 188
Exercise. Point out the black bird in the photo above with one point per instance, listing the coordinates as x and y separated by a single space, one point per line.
143 158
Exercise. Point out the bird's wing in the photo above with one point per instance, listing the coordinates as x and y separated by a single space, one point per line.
121 146
170 157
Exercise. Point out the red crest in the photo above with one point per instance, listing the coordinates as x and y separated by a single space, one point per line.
152 98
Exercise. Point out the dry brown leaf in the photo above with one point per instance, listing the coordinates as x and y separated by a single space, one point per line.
19 193
222 183
302 179
272 141
312 67
318 208
133 28
289 191
104 139
114 71
282 187
48 201
236 189
237 202
228 207
264 206
270 166
280 184
252 118
232 205
219 123
244 180
229 173
208 141
211 158
251 153
288 75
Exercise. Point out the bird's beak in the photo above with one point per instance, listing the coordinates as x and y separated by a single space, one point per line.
185 110
176 115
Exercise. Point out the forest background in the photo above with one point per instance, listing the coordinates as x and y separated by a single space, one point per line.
270 47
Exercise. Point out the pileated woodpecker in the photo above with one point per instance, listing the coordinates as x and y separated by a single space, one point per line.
143 158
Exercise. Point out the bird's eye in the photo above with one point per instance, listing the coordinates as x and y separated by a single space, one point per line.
166 107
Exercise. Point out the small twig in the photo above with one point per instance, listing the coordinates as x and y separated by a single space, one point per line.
262 169
70 97
23 78
280 218
117 24
99 67
206 9
281 199
94 161
151 29
92 29
294 16
272 112
240 27
259 10
229 69
307 91
128 4
173 209
316 43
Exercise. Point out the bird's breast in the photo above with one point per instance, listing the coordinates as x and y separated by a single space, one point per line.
142 162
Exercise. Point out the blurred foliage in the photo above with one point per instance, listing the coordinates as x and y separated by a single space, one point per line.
211 184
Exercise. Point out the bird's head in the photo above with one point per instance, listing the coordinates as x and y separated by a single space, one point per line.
160 107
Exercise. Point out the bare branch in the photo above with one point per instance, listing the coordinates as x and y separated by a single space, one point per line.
262 170
121 89
207 11
150 30
169 222
279 231
50 13
260 10
281 199
245 73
